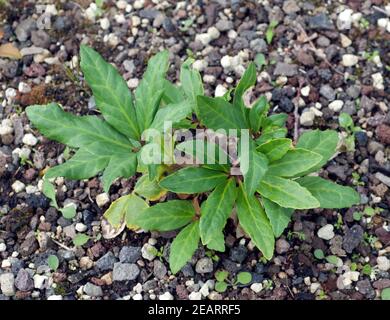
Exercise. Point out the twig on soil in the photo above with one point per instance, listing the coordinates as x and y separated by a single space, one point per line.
62 245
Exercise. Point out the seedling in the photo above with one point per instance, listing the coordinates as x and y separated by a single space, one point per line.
346 122
269 34
243 278
53 262
265 176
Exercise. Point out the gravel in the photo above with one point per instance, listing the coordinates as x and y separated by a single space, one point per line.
204 265
125 271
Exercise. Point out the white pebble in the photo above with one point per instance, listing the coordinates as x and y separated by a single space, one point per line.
307 118
195 296
200 65
10 93
102 199
148 252
336 105
24 87
3 247
305 91
377 80
133 83
39 281
121 4
18 186
31 189
326 232
256 287
105 23
54 297
137 296
350 60
165 296
383 263
383 22
29 139
6 127
80 227
220 90
344 20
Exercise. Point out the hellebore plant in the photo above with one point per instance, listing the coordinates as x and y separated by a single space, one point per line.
242 162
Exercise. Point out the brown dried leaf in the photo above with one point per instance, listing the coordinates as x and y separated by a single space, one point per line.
8 50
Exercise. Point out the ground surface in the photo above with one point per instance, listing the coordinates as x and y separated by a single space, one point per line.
322 51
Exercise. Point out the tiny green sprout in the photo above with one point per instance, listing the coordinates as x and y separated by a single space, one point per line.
53 262
221 275
69 212
269 34
357 216
319 254
354 266
296 234
367 270
268 284
243 278
260 61
335 260
80 239
356 179
346 122
364 23
321 295
339 222
221 286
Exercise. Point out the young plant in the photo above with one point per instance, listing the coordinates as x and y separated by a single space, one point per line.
346 122
264 181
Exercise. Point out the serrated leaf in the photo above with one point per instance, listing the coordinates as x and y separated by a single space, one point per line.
184 246
126 208
294 162
191 83
244 277
287 193
257 113
214 213
217 113
49 191
172 112
120 165
274 133
112 96
276 148
247 80
253 220
166 216
257 167
53 262
149 189
150 90
278 216
205 152
321 142
75 131
329 194
193 180
80 239
172 94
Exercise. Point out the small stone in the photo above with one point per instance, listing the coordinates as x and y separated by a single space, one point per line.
106 262
336 105
383 263
305 91
6 127
105 23
54 297
204 265
377 81
326 232
320 21
349 60
345 41
306 119
39 281
148 252
137 297
224 25
80 227
129 254
220 90
24 87
282 246
159 269
24 28
40 39
133 83
7 284
195 296
23 281
256 287
86 263
290 6
3 247
92 290
166 296
327 92
29 139
344 20
258 45
352 238
365 288
18 186
286 69
382 178
102 199
125 271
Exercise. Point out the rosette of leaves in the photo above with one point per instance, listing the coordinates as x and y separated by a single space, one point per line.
276 182
112 143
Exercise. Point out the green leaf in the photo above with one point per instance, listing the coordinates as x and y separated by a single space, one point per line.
255 223
166 216
248 80
287 193
205 152
257 113
184 246
149 189
270 134
69 212
221 275
75 131
278 216
172 94
275 149
217 113
172 112
329 194
221 286
49 191
260 60
193 180
126 208
269 34
112 96
319 254
120 165
257 167
53 262
321 142
385 294
345 120
276 120
244 278
214 213
293 163
335 260
191 83
80 239
151 88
